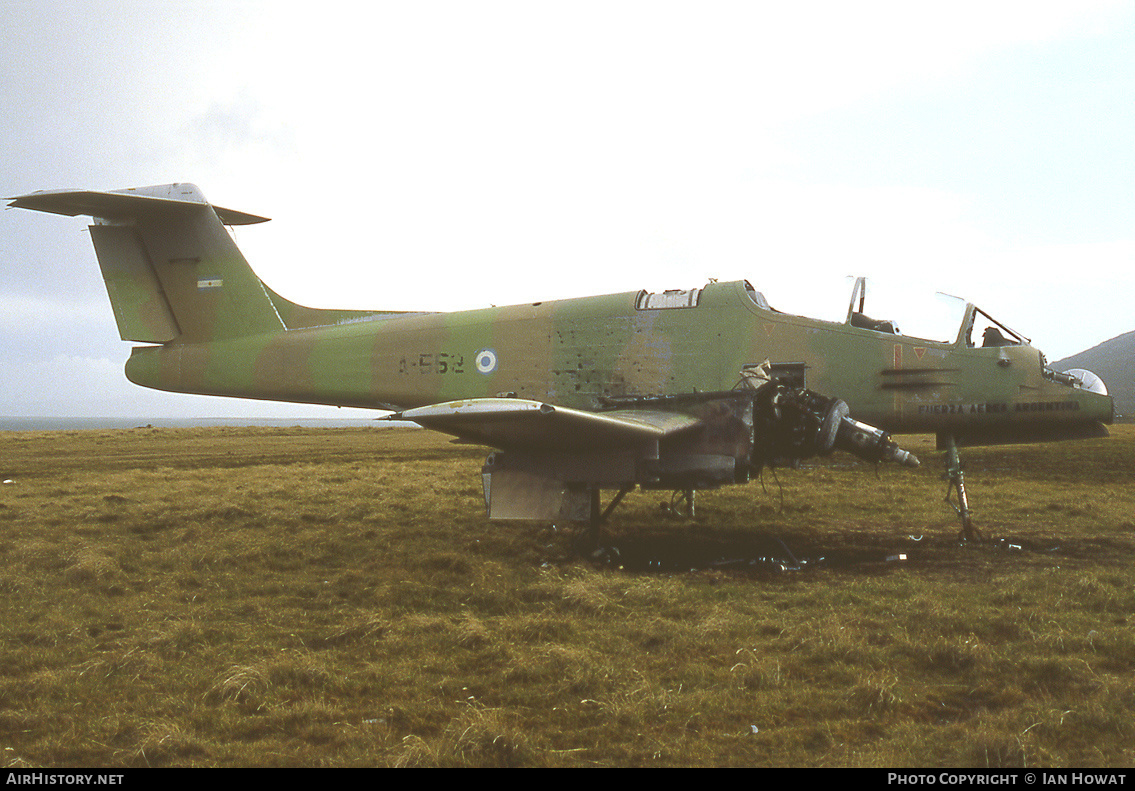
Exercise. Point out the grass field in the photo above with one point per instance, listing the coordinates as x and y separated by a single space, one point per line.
336 597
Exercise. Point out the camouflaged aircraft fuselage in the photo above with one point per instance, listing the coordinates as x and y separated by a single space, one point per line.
583 352
685 389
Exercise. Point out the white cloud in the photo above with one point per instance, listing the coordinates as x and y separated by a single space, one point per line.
32 313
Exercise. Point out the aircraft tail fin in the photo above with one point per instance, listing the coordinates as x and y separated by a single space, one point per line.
171 268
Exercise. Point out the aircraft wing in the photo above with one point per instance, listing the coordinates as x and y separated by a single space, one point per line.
550 461
534 425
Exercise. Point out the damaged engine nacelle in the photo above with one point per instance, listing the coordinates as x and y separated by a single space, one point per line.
793 423
733 435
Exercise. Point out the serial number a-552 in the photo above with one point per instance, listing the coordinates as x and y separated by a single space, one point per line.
433 363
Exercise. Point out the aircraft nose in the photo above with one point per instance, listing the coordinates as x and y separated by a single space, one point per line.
1098 405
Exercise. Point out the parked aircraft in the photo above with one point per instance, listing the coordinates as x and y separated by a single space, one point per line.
679 390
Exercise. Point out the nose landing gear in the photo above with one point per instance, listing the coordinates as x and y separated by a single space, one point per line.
957 483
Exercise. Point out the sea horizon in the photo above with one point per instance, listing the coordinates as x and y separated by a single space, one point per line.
52 423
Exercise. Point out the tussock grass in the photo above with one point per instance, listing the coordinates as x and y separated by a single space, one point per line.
297 597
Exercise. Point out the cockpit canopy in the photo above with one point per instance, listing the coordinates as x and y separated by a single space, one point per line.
993 332
977 328
913 312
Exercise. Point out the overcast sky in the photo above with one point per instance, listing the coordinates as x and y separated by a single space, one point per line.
448 155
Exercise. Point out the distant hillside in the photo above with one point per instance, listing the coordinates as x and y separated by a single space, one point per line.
1114 362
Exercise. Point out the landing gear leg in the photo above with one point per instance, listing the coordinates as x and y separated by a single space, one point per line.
598 516
957 482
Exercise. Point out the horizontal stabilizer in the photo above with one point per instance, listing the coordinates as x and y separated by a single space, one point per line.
126 204
532 425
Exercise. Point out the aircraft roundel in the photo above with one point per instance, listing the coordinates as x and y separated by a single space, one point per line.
486 361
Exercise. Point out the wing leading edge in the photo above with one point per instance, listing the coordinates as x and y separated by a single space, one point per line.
516 423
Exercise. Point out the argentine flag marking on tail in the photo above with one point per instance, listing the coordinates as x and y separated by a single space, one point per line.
207 283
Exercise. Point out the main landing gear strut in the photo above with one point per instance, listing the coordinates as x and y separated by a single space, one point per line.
599 515
682 505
